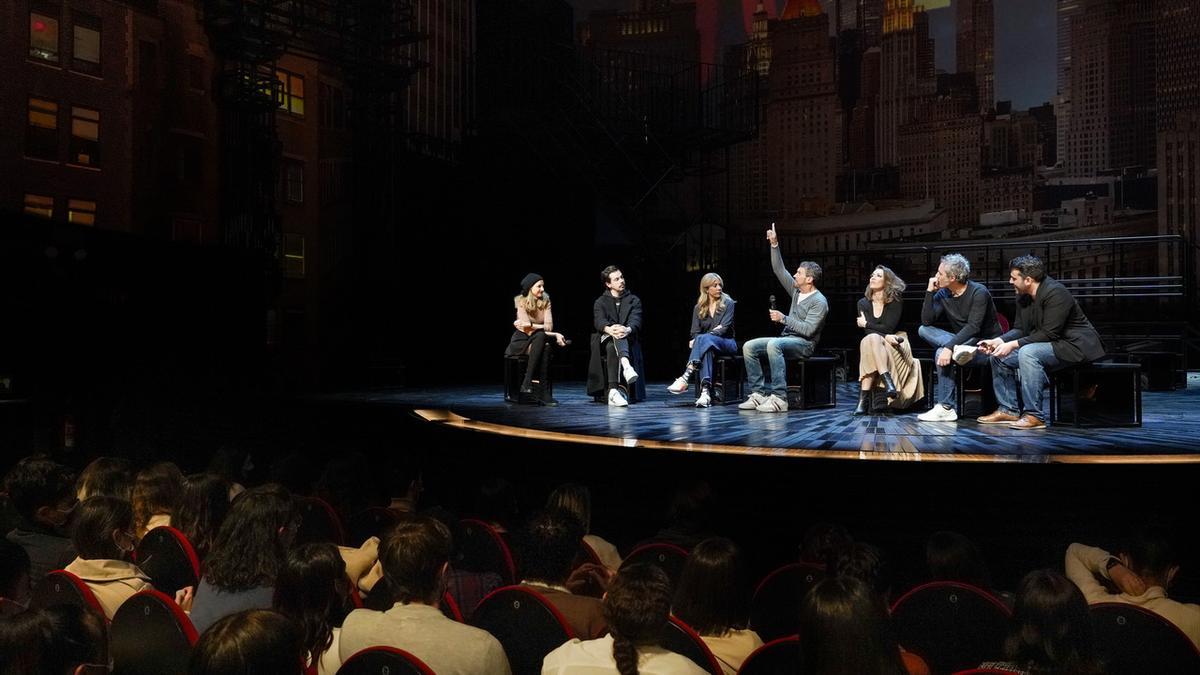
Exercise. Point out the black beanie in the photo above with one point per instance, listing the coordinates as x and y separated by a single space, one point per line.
528 282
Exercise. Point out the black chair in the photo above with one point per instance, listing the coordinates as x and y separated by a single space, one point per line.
812 381
482 549
384 661
728 379
951 626
974 394
775 606
525 624
679 637
777 657
667 557
1135 640
167 557
150 635
1101 394
319 523
514 375
374 521
60 587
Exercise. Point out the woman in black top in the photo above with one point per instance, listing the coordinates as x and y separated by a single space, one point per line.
712 333
879 315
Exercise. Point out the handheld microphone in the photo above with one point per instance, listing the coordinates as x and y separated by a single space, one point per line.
771 300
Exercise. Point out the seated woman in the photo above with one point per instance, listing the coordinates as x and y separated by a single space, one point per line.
534 330
103 538
846 631
156 493
202 508
889 375
578 500
254 641
712 333
713 597
313 590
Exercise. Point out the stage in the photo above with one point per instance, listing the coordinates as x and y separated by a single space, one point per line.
1170 432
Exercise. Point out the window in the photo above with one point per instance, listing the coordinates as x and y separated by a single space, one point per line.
85 136
41 133
43 37
291 92
85 52
81 211
39 205
293 255
293 182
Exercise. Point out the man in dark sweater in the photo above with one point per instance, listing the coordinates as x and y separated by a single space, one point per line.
1050 332
967 307
42 492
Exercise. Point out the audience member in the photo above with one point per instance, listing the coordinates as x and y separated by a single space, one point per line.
951 556
156 494
636 607
202 509
235 465
313 590
821 541
496 504
103 538
1050 631
713 597
578 500
865 562
1142 573
15 584
246 555
59 640
689 515
108 476
253 642
42 492
548 545
415 558
466 587
845 631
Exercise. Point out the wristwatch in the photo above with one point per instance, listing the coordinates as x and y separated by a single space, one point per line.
1111 563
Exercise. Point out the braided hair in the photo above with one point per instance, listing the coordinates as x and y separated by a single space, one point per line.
636 607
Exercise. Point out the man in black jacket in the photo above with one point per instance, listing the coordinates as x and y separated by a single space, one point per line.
617 318
1050 331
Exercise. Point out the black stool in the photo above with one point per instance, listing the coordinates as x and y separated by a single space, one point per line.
974 395
727 379
514 375
1097 395
811 382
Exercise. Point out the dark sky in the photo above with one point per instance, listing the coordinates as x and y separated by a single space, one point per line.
1025 44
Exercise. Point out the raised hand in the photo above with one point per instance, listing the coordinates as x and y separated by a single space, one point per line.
772 237
861 320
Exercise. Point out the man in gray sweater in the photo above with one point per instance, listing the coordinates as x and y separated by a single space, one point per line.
801 331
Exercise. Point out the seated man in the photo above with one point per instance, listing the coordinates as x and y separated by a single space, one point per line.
42 492
1050 332
415 558
1142 573
968 308
548 544
802 326
617 317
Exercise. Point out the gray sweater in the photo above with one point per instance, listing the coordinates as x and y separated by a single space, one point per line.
805 318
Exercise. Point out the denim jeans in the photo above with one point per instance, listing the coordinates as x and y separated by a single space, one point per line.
945 390
704 347
776 350
1031 364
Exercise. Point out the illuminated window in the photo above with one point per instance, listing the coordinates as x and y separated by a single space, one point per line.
41 133
81 211
39 205
43 37
291 92
85 136
293 255
85 52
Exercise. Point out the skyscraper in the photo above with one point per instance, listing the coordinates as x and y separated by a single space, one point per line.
1177 78
1067 10
905 74
975 47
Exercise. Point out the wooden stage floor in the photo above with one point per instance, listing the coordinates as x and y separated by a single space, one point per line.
1170 432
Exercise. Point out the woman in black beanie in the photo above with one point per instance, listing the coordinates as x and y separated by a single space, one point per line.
534 330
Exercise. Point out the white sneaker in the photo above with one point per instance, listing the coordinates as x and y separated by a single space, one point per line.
630 374
756 399
705 400
938 413
773 403
679 386
616 399
962 354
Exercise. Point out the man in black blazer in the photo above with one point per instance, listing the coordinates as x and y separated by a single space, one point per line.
1050 331
617 318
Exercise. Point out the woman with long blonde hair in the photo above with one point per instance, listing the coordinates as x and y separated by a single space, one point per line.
712 333
890 377
534 330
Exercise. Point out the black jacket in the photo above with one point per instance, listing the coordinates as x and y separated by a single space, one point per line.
604 314
1054 316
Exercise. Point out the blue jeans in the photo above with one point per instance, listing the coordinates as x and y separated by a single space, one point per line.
1031 363
704 347
946 389
776 350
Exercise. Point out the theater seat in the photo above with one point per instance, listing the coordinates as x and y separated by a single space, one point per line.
680 638
525 623
150 635
777 657
482 549
384 661
667 557
168 558
319 523
60 587
775 606
951 626
1135 640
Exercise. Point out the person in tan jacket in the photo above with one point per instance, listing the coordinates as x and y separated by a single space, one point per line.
103 537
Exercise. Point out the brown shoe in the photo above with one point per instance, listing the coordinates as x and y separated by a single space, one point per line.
998 417
1026 423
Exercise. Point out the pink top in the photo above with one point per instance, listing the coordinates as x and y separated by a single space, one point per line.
543 320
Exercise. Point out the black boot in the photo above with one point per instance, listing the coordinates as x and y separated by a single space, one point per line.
879 403
889 385
544 397
864 403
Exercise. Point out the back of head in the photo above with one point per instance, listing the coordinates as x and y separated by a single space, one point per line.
496 501
846 631
103 528
1152 556
691 506
951 556
413 558
311 589
821 541
862 561
1029 266
36 482
574 498
254 642
1051 630
53 641
109 476
202 509
548 545
14 577
156 490
253 540
636 607
712 595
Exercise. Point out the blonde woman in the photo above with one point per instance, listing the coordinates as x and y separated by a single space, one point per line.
886 367
534 330
712 333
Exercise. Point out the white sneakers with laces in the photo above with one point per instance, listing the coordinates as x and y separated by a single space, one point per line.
616 399
938 413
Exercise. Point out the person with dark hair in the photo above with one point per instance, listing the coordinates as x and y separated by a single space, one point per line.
415 557
966 308
58 640
495 503
637 606
950 556
688 517
802 326
821 541
313 590
534 335
201 510
1050 631
1050 332
466 587
252 642
578 500
103 538
1142 573
15 585
108 476
156 494
42 492
617 318
548 545
247 554
865 562
889 377
846 631
713 597
712 334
